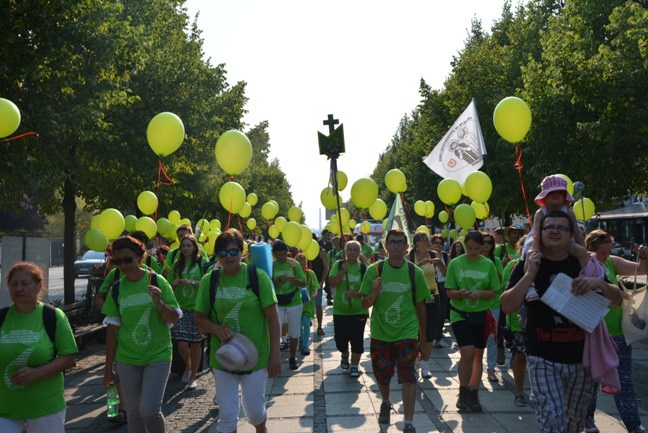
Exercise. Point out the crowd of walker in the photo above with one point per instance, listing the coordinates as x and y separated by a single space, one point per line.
488 286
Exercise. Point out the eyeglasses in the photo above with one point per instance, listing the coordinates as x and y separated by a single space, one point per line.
395 243
232 252
437 243
488 242
559 227
125 261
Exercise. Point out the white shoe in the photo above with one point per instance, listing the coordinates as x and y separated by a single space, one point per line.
186 375
192 385
425 371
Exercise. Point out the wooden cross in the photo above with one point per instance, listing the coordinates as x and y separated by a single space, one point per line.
331 122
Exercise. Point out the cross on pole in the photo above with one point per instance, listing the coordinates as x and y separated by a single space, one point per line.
331 122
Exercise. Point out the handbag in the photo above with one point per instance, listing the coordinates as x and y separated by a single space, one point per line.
635 315
475 318
285 298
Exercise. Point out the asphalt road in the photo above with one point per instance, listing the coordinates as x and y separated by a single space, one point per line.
56 285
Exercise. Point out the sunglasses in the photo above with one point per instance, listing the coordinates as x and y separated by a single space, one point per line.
394 242
125 261
437 243
232 252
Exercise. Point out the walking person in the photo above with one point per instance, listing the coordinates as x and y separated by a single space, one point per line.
436 244
397 291
491 344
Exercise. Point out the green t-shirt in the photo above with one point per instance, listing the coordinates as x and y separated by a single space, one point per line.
25 343
366 251
174 254
239 309
186 293
144 336
291 268
615 314
110 278
312 285
471 275
342 305
394 315
509 254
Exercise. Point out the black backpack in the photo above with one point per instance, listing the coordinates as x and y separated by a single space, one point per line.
412 275
363 268
114 287
49 321
253 283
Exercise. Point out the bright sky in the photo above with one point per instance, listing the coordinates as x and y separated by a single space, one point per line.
359 60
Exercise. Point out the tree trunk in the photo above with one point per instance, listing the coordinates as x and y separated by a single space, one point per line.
69 240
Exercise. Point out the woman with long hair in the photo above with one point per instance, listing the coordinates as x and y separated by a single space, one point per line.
456 249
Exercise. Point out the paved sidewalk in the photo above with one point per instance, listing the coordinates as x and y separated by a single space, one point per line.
320 397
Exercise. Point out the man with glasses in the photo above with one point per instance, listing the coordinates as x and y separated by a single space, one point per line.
560 385
398 322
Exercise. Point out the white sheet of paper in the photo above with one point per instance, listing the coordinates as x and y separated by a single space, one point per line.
586 310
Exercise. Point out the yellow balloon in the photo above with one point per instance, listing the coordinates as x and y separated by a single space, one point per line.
480 210
214 224
328 198
174 245
233 152
203 226
269 210
306 237
252 199
275 204
453 233
245 248
344 216
251 223
280 222
94 222
378 209
111 223
185 222
9 119
419 208
171 233
365 227
570 184
342 180
209 245
584 209
291 234
464 215
479 186
395 181
129 222
445 233
273 232
295 214
174 217
352 223
246 210
449 191
423 229
364 192
95 240
512 119
232 197
443 217
429 208
313 250
147 202
165 133
464 191
384 223
163 226
146 225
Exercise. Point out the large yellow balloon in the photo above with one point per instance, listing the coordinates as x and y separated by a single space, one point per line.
479 186
313 250
146 225
174 217
364 192
449 191
512 119
9 119
246 210
291 234
95 240
570 184
464 215
328 198
165 133
129 223
378 209
233 152
306 237
429 209
252 199
147 202
251 223
295 214
395 181
232 197
280 222
342 180
273 232
163 226
584 209
111 223
269 210
419 207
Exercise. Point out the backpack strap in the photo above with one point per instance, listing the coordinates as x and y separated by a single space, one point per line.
253 279
213 286
49 321
3 315
114 287
412 275
363 269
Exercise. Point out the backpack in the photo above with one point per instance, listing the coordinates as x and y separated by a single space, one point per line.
253 283
412 276
49 321
363 268
114 287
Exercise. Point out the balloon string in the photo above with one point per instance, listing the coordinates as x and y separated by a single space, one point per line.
16 137
240 225
519 166
229 218
161 172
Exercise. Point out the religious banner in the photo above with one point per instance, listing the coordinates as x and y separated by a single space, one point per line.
461 150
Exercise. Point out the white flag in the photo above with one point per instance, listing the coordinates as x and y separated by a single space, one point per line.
398 220
461 151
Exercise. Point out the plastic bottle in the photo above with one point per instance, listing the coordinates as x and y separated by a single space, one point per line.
112 402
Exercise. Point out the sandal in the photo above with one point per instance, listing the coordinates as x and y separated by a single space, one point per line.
121 417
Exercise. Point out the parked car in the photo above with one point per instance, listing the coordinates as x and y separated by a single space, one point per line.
90 264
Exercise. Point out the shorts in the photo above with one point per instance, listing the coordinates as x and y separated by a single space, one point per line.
185 329
469 335
385 356
517 344
349 329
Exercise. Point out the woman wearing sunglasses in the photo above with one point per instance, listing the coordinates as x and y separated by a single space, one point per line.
187 272
237 309
139 311
488 251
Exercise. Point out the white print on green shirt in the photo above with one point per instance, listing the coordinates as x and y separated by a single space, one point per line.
14 366
142 332
233 317
392 315
21 336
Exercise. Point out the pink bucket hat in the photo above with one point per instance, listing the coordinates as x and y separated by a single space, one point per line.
550 184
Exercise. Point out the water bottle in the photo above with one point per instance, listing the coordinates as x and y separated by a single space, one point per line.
112 402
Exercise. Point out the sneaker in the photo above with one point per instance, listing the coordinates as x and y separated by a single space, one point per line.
192 385
473 401
292 364
186 375
305 351
520 400
425 371
354 372
385 412
344 363
590 427
492 377
409 428
283 346
320 331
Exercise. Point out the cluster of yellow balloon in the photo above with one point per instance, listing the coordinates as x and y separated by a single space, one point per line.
424 208
106 226
9 118
270 209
